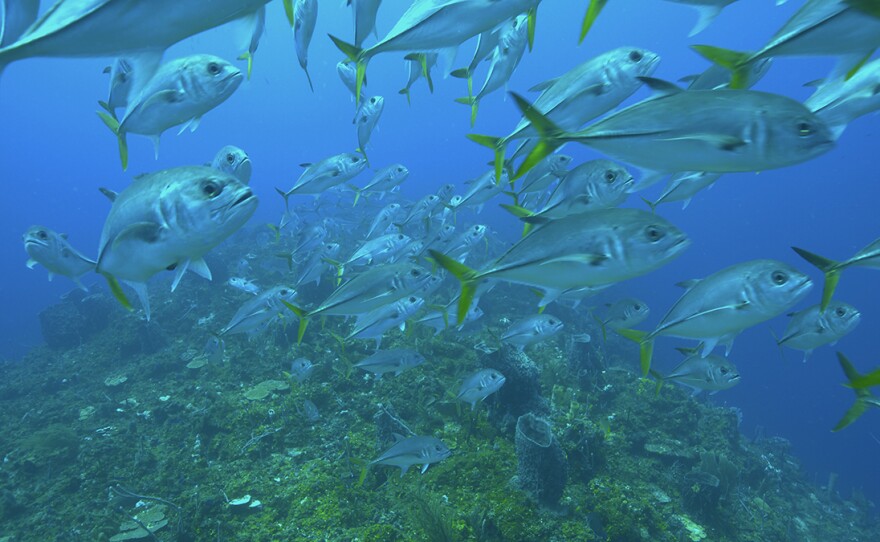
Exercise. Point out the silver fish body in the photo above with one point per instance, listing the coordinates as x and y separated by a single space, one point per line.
532 330
374 324
711 373
305 15
329 172
301 369
52 250
480 385
367 117
593 185
234 161
812 327
843 100
256 314
395 361
413 451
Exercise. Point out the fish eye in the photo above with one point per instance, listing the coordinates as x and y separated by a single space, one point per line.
637 307
779 277
415 273
437 447
42 234
840 311
400 236
400 170
654 233
610 176
213 68
412 299
551 322
373 100
805 129
230 158
724 370
355 159
635 56
211 189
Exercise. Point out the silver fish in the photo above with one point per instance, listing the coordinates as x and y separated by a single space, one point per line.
542 176
717 77
305 15
348 74
395 361
374 324
366 119
181 92
254 25
121 83
531 330
587 250
364 19
684 186
593 185
317 265
112 28
234 161
384 219
387 179
719 307
419 65
480 385
812 327
482 189
301 369
624 313
410 451
243 284
868 256
382 249
258 313
52 250
169 220
329 172
838 102
711 373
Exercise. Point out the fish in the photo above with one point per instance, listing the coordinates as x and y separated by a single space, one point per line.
384 219
321 176
182 91
395 361
578 96
717 308
414 450
254 25
347 73
53 251
440 321
419 65
623 313
169 220
366 119
121 83
869 257
318 264
486 44
243 284
385 248
712 373
682 187
308 410
234 161
480 385
840 101
301 369
388 179
717 77
214 349
364 19
813 327
708 10
864 397
305 15
114 28
430 25
542 176
378 286
258 313
374 324
577 251
506 56
841 28
656 134
482 189
422 209
531 330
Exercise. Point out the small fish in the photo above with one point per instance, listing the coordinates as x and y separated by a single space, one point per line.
348 74
321 176
543 175
624 313
301 369
812 327
868 256
388 179
308 410
121 83
419 65
234 161
415 450
318 264
243 284
169 220
859 383
682 187
482 189
305 15
719 307
394 361
840 101
214 349
256 314
366 119
253 27
52 250
480 385
531 330
711 373
181 92
373 325
385 248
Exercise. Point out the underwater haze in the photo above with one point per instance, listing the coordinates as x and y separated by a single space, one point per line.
309 452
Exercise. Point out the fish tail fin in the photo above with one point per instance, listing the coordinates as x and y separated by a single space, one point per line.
286 196
288 10
467 276
521 213
659 378
117 292
357 194
652 204
303 320
309 79
551 136
250 62
110 120
405 92
498 145
590 16
830 268
646 346
364 153
860 405
356 55
465 73
474 103
736 61
603 327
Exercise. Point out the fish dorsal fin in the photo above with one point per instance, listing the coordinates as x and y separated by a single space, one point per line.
707 12
688 284
111 195
689 351
540 87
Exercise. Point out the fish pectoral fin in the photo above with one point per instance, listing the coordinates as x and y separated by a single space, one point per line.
591 259
720 141
144 232
192 124
31 263
540 87
162 97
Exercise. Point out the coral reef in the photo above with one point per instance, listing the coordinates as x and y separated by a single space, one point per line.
542 467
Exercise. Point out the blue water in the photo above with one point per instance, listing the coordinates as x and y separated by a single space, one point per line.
55 153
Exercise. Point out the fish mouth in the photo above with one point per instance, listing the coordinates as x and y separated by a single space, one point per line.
34 241
247 195
804 286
